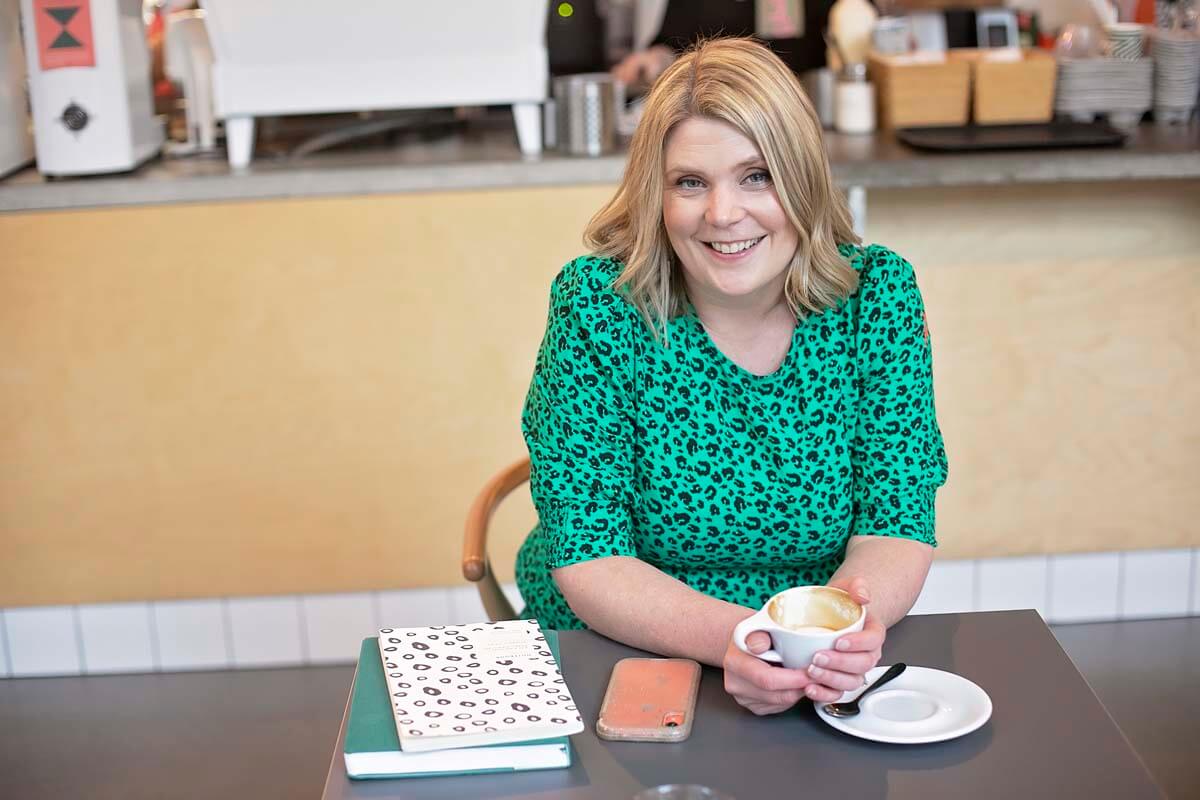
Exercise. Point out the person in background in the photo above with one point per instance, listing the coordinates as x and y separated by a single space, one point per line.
685 21
733 395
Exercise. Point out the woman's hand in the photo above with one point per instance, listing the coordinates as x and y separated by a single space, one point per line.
758 686
641 67
844 669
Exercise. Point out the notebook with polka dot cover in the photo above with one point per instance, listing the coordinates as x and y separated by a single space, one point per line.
484 683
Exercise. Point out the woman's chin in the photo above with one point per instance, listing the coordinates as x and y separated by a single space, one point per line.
739 288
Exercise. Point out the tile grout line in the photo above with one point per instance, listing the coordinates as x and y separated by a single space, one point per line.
1045 585
1193 601
77 619
1049 587
302 623
227 625
377 610
155 651
1120 585
8 667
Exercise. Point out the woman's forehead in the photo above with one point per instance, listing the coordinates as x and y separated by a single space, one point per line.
713 142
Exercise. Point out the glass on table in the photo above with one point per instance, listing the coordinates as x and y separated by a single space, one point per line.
682 791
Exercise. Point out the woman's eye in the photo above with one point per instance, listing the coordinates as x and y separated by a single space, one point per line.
688 183
759 178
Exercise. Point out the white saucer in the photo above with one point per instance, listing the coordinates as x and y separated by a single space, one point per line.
922 705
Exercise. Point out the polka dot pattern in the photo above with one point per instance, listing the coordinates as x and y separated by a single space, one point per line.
498 679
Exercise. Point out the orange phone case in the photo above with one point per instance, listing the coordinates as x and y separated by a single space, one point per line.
649 700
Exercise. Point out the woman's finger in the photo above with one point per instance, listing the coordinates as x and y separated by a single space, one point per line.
822 694
748 694
869 638
758 642
853 662
772 704
842 681
858 591
764 677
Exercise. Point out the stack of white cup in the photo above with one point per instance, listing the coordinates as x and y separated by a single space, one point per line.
1126 40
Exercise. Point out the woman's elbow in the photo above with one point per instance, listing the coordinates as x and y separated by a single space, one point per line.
576 583
588 585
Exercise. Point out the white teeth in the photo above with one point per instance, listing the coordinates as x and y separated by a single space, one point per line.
729 248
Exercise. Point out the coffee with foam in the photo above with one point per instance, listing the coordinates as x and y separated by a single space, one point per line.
817 611
802 621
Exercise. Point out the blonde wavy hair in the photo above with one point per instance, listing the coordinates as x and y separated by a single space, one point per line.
741 82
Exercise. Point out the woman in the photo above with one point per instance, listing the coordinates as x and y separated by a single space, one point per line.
733 396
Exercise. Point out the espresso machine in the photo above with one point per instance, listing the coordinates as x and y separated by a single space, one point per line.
89 86
16 141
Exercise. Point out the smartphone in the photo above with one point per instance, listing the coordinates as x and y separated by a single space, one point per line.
649 700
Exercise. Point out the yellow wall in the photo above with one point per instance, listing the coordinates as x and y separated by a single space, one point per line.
303 395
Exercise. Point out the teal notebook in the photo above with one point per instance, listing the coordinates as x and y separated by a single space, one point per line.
372 747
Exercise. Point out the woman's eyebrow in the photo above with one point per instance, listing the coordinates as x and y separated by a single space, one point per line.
749 162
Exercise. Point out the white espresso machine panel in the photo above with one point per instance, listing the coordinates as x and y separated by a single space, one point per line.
16 144
89 85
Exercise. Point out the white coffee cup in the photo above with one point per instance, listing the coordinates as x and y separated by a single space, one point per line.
802 621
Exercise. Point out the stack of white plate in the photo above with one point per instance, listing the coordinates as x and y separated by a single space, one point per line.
1090 86
1176 74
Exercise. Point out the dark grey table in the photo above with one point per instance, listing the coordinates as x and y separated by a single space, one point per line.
1048 737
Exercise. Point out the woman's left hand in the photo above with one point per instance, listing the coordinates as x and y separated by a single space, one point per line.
844 668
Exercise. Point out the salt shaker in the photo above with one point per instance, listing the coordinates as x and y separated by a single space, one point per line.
854 107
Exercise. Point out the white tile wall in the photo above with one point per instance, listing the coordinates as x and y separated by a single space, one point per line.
5 665
286 631
1007 583
43 641
1085 587
117 638
266 631
406 608
514 596
191 635
1156 583
465 605
1196 582
950 587
336 624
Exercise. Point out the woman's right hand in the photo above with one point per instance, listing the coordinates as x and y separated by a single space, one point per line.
641 67
758 686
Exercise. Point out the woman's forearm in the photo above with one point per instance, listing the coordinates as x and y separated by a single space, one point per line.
632 602
894 570
628 600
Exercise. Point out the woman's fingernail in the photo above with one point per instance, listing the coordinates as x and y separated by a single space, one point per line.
821 660
811 691
815 671
843 644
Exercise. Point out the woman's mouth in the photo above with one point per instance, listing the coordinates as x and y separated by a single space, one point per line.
734 248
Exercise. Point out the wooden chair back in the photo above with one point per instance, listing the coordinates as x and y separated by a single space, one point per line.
476 566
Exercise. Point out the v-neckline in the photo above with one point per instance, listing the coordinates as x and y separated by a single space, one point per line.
737 369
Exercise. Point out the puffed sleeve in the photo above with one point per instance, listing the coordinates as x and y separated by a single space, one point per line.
578 418
897 453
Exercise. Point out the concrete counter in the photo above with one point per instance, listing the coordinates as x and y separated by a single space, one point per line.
486 157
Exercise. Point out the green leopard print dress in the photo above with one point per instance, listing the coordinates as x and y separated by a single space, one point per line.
737 484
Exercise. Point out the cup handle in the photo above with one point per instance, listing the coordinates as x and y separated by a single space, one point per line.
746 627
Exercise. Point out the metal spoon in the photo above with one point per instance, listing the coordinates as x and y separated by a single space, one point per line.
850 707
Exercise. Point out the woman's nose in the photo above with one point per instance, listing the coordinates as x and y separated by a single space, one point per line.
723 208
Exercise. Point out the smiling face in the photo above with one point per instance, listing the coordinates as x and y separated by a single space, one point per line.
723 217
